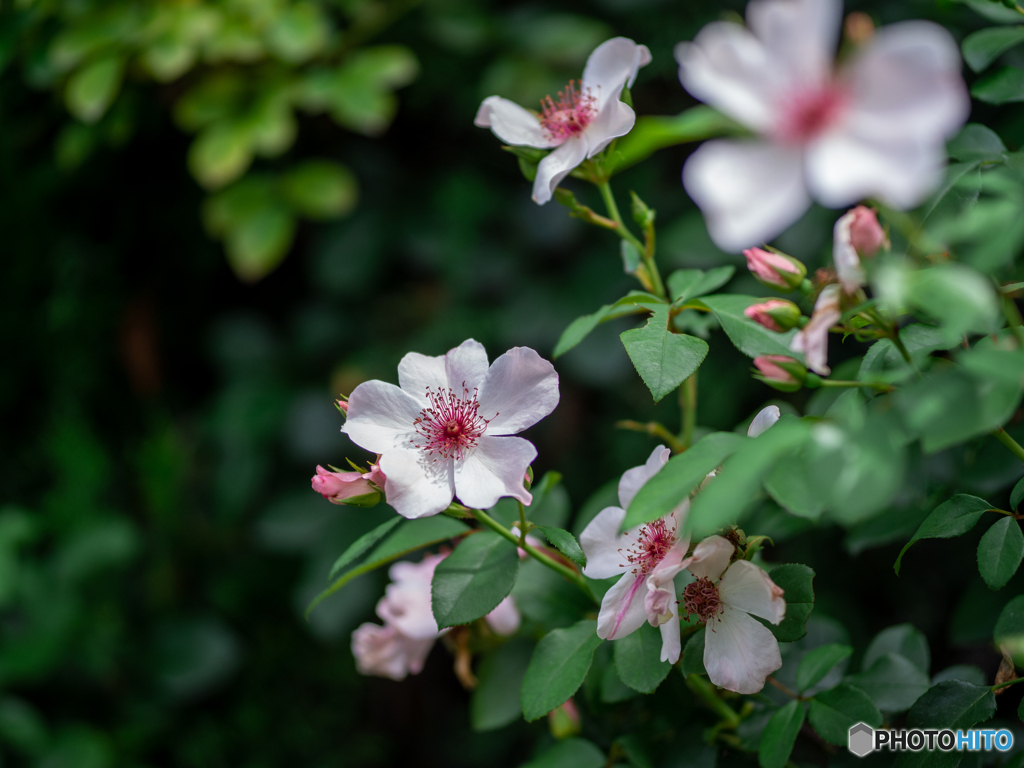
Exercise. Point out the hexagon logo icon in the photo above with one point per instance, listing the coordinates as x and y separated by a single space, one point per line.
861 739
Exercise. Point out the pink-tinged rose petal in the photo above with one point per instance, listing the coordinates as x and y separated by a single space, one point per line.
604 546
776 315
768 365
800 34
504 619
622 609
494 468
671 644
634 479
419 373
406 602
381 416
466 366
612 66
866 234
556 166
844 254
774 269
710 558
739 652
343 405
338 486
417 485
812 339
748 588
513 124
376 476
520 389
765 418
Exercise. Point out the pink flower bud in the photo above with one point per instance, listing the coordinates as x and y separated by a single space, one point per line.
565 720
342 405
337 487
774 314
781 372
774 269
866 234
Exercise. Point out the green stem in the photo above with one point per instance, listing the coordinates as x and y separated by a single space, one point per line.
879 386
654 429
522 524
1007 684
1004 438
688 402
706 693
648 257
535 553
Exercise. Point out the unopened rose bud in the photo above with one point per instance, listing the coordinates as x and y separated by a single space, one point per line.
866 234
342 405
783 373
564 721
775 270
775 314
346 487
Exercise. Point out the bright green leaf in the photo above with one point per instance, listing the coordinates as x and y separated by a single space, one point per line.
472 580
299 32
220 154
662 358
362 544
581 327
952 518
558 667
320 189
652 133
818 663
564 542
92 89
1000 552
780 735
750 338
835 711
686 284
638 659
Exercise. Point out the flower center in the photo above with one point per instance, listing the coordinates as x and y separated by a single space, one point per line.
653 543
568 116
804 114
450 424
701 597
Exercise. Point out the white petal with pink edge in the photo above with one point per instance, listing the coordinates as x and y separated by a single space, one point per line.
634 479
520 389
417 485
710 558
380 416
493 468
739 652
603 545
513 124
612 66
622 609
748 588
671 643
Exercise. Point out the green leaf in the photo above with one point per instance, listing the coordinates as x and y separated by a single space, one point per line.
544 597
834 711
550 505
693 654
951 518
953 704
983 47
1000 551
558 667
638 659
473 579
662 358
220 154
571 753
652 133
748 337
1002 87
362 544
1017 494
299 32
686 284
893 682
320 189
680 477
798 583
581 327
92 89
818 663
1009 631
780 735
976 142
564 542
495 700
410 536
630 257
904 639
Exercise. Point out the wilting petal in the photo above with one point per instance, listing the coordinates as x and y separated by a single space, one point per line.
844 255
416 652
417 373
671 645
633 479
622 610
417 485
764 419
382 651
492 469
380 416
739 652
658 603
512 123
466 366
800 35
710 558
520 389
812 339
749 191
504 619
556 166
616 119
613 65
748 588
603 545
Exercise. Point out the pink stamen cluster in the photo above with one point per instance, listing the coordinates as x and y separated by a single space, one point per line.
568 116
653 543
450 424
807 113
701 597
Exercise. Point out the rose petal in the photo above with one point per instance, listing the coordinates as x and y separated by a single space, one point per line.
380 416
504 619
466 366
764 419
739 652
800 35
520 389
616 119
622 610
603 545
417 484
748 588
417 373
513 124
613 65
844 255
556 166
492 469
633 479
671 644
710 558
812 339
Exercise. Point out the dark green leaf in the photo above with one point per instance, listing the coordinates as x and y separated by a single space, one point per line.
834 711
953 704
904 639
1000 551
1002 87
581 327
693 654
893 683
571 753
363 543
677 479
473 579
1009 629
797 581
558 667
780 735
686 284
818 663
983 47
977 142
565 543
495 701
652 133
550 505
544 597
951 518
638 659
1017 494
750 338
663 358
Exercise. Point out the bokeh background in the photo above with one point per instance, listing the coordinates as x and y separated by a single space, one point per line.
216 215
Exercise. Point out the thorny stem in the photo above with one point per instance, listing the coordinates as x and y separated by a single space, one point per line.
688 403
653 429
535 553
706 693
1015 448
646 253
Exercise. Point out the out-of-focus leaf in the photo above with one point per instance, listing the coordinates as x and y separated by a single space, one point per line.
92 89
1009 629
833 712
571 753
780 735
693 654
557 668
299 32
320 189
495 700
951 518
1002 87
362 544
1000 552
893 683
983 47
662 358
798 583
750 338
638 659
904 639
220 154
652 133
977 142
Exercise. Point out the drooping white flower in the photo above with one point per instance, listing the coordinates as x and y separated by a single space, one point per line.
581 123
648 557
401 646
446 430
876 126
739 651
812 339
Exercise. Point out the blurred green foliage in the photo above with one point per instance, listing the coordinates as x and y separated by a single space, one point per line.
158 539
